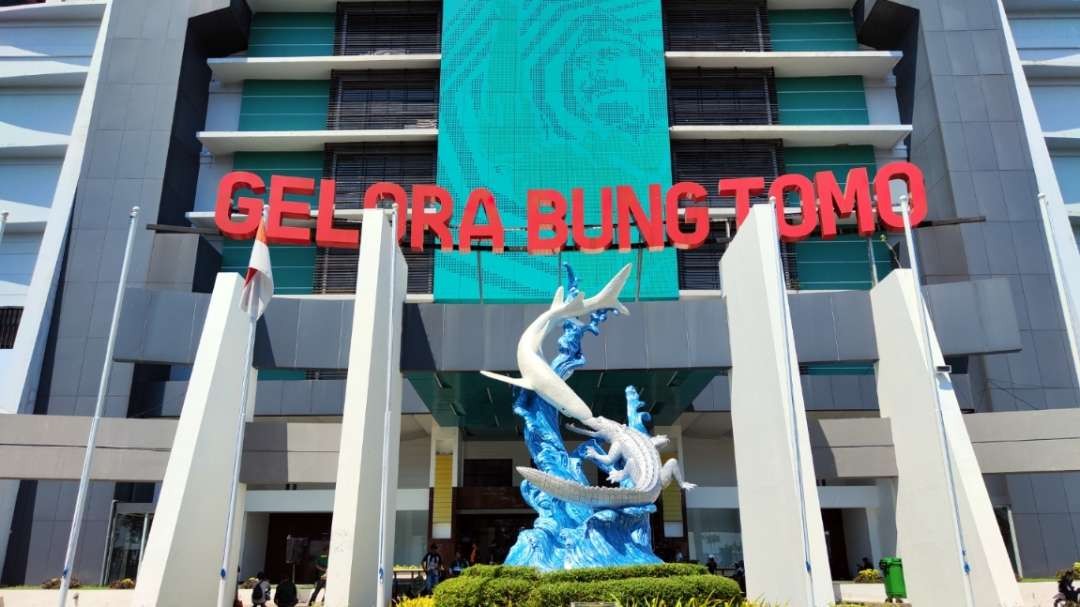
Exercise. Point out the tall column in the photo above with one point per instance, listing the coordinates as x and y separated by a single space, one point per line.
910 390
372 393
183 551
782 533
445 475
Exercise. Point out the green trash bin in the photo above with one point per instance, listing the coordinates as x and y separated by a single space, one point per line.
892 569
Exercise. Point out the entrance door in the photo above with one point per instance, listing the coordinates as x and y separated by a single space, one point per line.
835 543
126 545
314 527
493 534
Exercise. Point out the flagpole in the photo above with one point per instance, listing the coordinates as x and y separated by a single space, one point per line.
238 452
913 264
3 224
99 406
384 489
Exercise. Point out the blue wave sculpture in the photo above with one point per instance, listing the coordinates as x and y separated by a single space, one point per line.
567 534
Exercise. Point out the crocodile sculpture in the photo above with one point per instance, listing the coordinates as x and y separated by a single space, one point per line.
641 473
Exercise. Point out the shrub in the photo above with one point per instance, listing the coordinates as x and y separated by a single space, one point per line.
868 576
639 590
618 573
124 584
473 591
54 583
424 601
508 571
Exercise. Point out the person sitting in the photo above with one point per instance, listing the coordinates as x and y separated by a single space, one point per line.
1065 586
458 565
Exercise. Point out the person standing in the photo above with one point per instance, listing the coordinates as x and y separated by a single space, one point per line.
431 564
285 595
260 594
711 565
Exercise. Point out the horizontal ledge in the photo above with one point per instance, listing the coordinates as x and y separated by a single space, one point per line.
1063 140
227 142
1052 68
53 147
234 69
879 136
72 10
44 73
299 6
801 64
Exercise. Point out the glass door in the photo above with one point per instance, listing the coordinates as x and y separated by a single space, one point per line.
126 545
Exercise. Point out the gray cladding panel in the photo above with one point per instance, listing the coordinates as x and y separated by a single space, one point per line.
164 327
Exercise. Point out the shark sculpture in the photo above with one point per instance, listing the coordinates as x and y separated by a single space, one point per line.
633 457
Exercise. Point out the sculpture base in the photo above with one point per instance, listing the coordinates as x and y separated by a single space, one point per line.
607 538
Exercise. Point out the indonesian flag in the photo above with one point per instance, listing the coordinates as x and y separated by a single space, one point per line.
259 282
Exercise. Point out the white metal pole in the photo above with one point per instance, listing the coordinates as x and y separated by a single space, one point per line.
384 488
913 263
241 424
785 322
99 406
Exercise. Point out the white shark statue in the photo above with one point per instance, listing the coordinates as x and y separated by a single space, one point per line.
636 452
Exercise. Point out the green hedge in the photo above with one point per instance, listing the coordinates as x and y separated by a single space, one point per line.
485 586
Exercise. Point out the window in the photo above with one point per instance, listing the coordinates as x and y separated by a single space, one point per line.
712 25
717 96
388 28
488 473
707 161
357 167
9 326
384 99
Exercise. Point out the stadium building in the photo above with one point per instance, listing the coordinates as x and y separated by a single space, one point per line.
109 104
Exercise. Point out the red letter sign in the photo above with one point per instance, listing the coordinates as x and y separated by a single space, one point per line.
326 235
789 232
854 199
585 242
252 207
913 177
650 225
438 221
384 190
493 230
742 189
695 212
554 219
280 209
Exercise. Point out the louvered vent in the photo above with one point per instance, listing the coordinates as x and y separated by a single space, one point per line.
711 25
388 28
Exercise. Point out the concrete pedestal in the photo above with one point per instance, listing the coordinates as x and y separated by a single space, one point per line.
374 378
782 533
925 511
183 551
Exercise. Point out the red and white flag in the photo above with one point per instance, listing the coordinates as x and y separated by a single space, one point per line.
259 282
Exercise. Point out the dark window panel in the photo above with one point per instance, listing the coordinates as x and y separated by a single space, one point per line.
384 99
357 167
707 161
699 269
721 96
9 326
388 28
712 25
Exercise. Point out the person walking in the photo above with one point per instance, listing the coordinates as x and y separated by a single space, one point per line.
320 586
260 594
431 564
286 595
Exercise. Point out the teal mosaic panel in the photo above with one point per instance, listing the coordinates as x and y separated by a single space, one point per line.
555 94
284 105
824 100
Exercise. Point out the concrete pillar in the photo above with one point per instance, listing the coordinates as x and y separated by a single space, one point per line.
446 452
372 392
183 552
783 536
910 389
